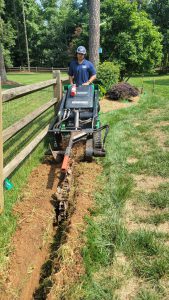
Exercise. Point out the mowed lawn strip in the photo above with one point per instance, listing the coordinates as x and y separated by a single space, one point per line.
126 254
12 112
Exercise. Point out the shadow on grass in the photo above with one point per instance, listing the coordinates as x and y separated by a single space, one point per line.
23 74
158 81
9 86
25 136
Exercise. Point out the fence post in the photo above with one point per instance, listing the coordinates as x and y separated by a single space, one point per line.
1 155
57 88
142 84
153 85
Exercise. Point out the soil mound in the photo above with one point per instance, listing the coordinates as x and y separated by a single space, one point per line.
122 90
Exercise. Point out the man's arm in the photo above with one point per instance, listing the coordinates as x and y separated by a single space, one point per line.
91 79
92 74
71 79
70 73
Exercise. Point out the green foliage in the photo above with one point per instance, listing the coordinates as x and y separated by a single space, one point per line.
60 29
130 37
159 12
1 22
108 73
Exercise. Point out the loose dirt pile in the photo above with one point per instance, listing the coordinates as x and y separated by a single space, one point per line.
122 90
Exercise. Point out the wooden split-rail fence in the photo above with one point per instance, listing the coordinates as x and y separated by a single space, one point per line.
6 134
35 69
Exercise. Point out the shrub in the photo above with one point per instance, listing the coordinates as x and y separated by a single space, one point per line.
108 73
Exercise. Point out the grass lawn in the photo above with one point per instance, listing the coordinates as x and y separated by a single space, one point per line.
29 78
126 255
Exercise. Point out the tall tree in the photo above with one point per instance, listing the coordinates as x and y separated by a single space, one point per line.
2 65
94 31
34 24
26 36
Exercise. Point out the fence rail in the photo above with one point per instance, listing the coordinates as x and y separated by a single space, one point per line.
1 156
12 130
36 69
25 90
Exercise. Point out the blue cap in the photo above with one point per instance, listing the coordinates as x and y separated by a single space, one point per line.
81 50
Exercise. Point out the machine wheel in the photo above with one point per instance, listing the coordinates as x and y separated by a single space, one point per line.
97 138
89 150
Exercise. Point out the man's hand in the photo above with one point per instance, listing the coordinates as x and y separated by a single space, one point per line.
86 83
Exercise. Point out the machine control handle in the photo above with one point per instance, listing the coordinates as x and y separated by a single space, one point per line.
73 90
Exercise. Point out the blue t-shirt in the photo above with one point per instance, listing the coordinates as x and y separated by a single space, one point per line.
81 72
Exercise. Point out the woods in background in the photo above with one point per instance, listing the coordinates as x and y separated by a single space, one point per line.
133 33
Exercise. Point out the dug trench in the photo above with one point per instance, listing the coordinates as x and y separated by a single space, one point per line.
45 259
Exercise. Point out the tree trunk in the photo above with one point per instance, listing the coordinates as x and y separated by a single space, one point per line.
26 36
2 66
94 31
18 32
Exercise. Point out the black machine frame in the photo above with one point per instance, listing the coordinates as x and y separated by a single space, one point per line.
80 122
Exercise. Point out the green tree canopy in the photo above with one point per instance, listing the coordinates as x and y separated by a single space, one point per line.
130 37
56 27
60 23
159 12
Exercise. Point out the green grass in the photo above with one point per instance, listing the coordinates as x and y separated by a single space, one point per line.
131 135
32 77
147 295
155 219
159 198
17 109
